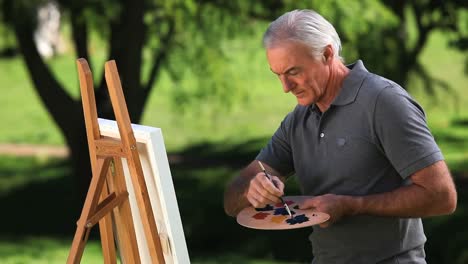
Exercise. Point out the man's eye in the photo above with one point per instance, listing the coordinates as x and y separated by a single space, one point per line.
293 72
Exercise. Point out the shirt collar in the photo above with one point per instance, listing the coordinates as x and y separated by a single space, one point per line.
351 84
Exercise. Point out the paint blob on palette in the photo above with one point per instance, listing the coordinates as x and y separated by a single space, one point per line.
276 217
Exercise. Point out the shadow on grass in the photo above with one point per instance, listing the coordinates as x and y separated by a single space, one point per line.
460 122
48 207
40 202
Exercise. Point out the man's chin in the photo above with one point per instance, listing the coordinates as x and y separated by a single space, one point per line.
304 102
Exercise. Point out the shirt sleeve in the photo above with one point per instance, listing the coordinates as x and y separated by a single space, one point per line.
277 153
401 129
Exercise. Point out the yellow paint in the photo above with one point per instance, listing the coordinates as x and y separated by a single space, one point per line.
278 219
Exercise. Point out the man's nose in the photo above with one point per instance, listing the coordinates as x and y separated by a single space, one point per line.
288 84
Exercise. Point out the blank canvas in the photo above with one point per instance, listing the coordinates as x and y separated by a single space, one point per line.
155 165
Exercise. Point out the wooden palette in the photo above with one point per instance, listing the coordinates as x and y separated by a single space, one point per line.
275 217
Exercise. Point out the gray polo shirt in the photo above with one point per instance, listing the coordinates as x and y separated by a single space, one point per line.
371 139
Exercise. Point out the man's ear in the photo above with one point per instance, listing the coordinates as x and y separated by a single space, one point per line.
328 53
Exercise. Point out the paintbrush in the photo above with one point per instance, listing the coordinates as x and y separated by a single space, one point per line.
281 199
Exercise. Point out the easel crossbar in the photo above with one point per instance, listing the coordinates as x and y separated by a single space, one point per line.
109 148
106 206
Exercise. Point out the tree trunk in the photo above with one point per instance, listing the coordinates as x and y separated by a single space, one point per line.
66 112
127 40
80 162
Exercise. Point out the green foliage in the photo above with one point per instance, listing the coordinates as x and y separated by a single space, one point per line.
358 32
462 22
200 57
99 14
189 32
461 41
199 28
213 83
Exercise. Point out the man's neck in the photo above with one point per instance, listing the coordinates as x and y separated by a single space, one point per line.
338 72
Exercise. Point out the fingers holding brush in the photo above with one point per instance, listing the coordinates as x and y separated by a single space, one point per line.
262 191
278 184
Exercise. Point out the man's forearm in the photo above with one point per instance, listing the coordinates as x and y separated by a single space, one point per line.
407 201
234 197
432 192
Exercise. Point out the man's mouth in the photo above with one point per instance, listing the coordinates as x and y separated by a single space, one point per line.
298 93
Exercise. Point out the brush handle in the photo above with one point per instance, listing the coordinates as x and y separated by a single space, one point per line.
269 177
281 198
282 201
274 183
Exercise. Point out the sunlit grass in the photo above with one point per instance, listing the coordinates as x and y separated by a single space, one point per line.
44 250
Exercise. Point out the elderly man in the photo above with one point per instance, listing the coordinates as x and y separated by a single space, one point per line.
359 146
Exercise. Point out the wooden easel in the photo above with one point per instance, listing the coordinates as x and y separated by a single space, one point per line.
107 199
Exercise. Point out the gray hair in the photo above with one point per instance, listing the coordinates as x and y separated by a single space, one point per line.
306 27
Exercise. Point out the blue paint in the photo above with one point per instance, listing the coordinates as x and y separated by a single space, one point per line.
282 211
266 208
297 219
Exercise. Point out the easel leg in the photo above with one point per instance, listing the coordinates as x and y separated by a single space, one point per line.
123 218
92 198
107 235
79 242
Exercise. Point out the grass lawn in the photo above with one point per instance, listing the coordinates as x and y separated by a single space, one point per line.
44 250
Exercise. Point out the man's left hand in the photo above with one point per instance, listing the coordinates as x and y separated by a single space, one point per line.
336 206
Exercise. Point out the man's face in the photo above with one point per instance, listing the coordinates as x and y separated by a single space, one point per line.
299 72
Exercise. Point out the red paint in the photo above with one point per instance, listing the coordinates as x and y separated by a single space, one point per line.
260 215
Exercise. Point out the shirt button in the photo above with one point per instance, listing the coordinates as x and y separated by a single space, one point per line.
322 135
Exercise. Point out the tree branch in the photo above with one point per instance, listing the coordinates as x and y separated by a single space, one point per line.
80 33
423 32
160 56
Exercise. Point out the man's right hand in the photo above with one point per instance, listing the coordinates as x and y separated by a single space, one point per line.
263 191
252 187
